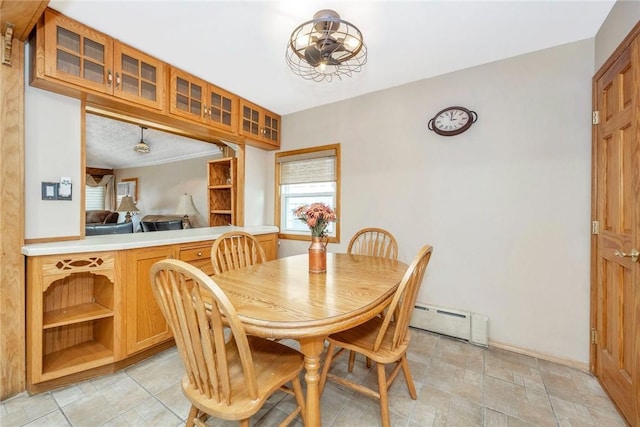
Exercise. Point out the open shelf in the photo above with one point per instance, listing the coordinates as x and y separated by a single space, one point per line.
221 176
74 314
79 357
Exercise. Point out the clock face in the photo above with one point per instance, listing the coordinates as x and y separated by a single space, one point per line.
452 121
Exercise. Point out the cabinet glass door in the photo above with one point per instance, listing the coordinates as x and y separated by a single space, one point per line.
250 121
271 130
222 109
188 96
139 77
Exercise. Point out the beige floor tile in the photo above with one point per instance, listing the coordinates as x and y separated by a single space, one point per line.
147 413
91 411
497 419
53 419
22 408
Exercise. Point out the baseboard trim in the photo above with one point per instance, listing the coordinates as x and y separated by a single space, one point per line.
576 364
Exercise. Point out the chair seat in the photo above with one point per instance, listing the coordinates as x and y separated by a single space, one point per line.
272 362
362 338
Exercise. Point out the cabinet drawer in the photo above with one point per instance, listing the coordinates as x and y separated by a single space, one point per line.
196 254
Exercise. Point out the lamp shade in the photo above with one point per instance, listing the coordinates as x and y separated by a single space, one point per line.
186 206
127 205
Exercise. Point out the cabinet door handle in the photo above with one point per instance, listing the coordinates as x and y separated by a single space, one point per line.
117 80
109 78
204 111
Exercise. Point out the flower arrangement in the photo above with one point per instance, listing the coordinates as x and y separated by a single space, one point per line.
317 216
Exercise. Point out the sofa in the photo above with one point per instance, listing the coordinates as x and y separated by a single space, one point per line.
161 222
100 222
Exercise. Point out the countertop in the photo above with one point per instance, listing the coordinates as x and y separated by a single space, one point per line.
114 242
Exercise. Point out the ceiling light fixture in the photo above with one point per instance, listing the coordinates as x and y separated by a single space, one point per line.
141 147
326 47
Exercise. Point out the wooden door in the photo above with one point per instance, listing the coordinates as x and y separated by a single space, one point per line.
145 324
616 279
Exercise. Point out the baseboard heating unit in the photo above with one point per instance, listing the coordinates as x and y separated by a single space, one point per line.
468 326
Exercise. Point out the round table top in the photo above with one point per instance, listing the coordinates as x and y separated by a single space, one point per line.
281 299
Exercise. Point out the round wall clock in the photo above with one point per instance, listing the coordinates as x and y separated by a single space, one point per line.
452 121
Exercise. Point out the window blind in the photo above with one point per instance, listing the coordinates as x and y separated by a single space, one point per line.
319 166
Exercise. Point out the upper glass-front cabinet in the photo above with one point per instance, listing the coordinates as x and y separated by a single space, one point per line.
198 100
259 124
77 54
138 77
84 57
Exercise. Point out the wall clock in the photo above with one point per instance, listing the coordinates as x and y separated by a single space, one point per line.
452 121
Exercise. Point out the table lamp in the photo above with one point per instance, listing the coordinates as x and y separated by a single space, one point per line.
127 205
186 208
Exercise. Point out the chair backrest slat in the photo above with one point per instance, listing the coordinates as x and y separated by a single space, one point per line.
376 242
235 249
197 311
404 300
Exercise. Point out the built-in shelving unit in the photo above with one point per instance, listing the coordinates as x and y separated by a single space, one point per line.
73 324
221 178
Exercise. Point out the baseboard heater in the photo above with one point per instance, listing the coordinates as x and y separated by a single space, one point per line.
468 326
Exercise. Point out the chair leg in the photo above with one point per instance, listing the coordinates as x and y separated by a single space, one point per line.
408 377
245 423
297 390
325 368
352 358
193 413
368 362
384 396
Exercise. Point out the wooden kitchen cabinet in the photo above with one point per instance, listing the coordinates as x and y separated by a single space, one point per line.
198 255
145 325
73 314
196 99
259 125
74 54
269 243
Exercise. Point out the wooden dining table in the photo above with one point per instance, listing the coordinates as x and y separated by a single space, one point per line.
282 299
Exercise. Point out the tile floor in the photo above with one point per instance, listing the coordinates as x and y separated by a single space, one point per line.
458 385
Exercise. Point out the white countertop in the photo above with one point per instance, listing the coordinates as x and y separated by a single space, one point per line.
112 242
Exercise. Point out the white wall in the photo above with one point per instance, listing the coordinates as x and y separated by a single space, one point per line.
506 205
52 151
256 179
160 187
623 17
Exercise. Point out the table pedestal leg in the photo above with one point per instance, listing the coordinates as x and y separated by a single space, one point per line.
312 349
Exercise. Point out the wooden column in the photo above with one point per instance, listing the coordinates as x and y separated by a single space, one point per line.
21 15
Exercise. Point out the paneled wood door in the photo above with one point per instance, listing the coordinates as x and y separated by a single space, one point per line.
616 266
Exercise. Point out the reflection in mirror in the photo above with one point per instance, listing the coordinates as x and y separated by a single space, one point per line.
174 165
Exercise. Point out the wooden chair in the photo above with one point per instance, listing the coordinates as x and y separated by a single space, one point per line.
374 242
383 339
228 378
235 249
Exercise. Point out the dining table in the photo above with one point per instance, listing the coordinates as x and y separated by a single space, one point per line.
282 299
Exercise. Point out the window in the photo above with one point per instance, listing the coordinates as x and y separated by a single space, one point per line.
303 177
94 198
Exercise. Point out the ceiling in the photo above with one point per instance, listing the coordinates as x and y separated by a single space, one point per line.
110 145
240 45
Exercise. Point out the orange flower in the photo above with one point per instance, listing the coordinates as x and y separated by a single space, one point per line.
317 216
